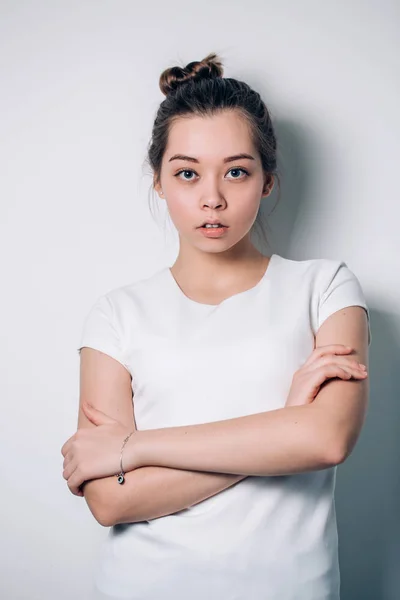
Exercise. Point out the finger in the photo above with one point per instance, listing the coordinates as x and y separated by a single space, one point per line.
316 377
75 490
96 416
66 447
329 349
342 360
320 375
354 372
336 360
67 459
75 481
343 372
69 469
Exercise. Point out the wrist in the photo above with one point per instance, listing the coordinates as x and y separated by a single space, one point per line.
132 457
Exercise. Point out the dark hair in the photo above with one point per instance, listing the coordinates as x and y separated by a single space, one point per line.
200 89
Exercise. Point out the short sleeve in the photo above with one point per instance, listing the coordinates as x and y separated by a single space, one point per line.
100 330
341 289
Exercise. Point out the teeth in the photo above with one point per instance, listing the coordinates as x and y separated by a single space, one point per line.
211 225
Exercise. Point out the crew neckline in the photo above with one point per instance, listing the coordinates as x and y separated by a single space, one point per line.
266 276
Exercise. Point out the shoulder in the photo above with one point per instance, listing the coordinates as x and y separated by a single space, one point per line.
316 273
119 311
327 285
123 306
136 292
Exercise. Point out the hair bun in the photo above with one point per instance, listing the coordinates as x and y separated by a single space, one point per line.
208 68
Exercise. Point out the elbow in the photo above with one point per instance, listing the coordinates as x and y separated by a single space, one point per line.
336 445
335 459
108 516
103 515
105 518
342 447
106 507
337 455
99 504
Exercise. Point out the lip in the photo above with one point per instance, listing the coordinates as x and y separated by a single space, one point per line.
212 222
213 232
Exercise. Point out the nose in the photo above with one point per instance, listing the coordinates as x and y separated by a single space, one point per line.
212 198
212 204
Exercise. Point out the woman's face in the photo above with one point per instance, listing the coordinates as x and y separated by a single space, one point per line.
206 184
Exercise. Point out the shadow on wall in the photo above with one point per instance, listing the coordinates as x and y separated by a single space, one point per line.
368 482
294 216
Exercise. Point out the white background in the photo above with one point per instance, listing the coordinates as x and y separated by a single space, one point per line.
79 92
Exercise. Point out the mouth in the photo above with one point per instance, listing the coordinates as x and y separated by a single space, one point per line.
213 225
214 230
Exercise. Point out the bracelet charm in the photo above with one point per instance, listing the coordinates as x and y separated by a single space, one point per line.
121 475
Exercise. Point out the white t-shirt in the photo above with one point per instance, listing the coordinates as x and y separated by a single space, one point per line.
265 538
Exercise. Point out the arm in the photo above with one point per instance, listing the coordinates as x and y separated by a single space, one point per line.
152 492
148 492
289 440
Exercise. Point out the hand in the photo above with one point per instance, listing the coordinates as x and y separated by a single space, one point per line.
323 364
94 452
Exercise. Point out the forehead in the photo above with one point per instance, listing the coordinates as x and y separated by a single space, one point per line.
210 137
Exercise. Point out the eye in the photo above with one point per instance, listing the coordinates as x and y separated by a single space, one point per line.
237 169
234 170
184 171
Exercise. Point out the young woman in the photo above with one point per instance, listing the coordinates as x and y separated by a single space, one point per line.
224 390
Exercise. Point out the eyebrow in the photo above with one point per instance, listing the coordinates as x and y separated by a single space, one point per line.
226 160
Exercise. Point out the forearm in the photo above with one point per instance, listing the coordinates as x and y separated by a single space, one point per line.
150 492
288 440
159 491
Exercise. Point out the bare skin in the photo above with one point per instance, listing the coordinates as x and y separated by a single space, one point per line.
210 270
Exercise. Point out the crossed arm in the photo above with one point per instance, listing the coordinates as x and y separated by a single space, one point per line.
148 492
151 491
290 440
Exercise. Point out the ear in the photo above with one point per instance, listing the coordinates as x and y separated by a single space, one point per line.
268 185
158 189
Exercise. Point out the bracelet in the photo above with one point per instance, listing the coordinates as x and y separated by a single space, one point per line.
121 474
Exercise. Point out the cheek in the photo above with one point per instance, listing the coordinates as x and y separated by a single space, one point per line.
180 210
246 206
